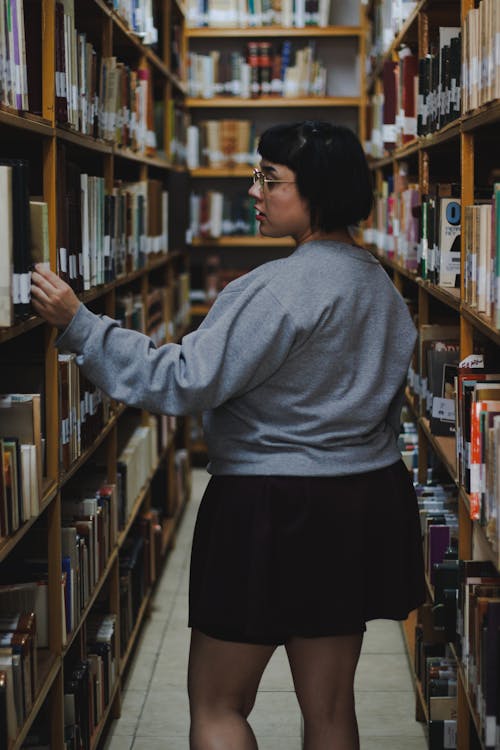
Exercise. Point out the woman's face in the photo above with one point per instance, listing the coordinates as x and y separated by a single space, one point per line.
280 210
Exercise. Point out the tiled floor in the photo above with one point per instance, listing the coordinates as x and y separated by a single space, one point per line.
155 705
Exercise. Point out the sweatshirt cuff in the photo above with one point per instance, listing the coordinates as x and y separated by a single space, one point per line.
75 335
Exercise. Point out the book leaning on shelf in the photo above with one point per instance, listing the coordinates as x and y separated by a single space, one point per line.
19 670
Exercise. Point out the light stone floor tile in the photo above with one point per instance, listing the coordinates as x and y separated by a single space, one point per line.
383 637
155 709
165 713
387 714
383 672
118 742
393 743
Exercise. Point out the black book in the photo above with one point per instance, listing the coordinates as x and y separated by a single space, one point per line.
22 236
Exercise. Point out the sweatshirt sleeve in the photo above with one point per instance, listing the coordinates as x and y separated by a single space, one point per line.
243 340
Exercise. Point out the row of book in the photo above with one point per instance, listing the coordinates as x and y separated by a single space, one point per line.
83 410
89 533
419 96
104 235
136 462
481 248
103 97
481 66
89 683
243 13
221 144
427 234
21 459
215 214
265 70
148 316
20 55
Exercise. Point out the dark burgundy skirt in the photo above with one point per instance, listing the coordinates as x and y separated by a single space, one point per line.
278 556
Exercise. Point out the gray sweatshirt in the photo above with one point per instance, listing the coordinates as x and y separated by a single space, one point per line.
299 367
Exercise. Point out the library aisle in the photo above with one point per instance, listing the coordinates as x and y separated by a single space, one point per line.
155 705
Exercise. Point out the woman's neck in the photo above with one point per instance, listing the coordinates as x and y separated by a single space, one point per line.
338 235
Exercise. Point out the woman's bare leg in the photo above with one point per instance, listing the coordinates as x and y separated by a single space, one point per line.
323 672
223 678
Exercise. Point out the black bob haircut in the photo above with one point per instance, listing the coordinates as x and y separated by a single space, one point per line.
330 167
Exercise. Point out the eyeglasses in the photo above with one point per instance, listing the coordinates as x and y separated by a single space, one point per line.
261 178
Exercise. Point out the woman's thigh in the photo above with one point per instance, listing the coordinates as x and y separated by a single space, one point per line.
224 675
323 671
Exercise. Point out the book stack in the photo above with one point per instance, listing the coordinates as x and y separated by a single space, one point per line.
440 240
438 512
130 311
266 70
243 13
221 144
481 247
481 65
18 667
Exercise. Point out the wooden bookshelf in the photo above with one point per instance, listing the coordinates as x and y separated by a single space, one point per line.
39 140
309 32
265 102
459 152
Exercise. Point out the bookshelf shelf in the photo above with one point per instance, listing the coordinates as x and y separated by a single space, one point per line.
154 161
133 636
25 121
244 241
459 153
204 32
84 141
6 334
481 322
276 101
7 544
237 171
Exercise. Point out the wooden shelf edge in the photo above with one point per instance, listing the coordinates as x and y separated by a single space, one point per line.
52 668
193 32
277 101
25 121
20 327
480 321
7 544
135 630
94 740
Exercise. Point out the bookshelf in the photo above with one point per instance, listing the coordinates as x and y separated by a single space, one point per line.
338 44
112 582
460 151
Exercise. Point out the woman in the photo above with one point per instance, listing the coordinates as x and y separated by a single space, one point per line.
309 525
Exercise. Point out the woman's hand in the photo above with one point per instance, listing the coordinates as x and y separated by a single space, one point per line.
52 298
